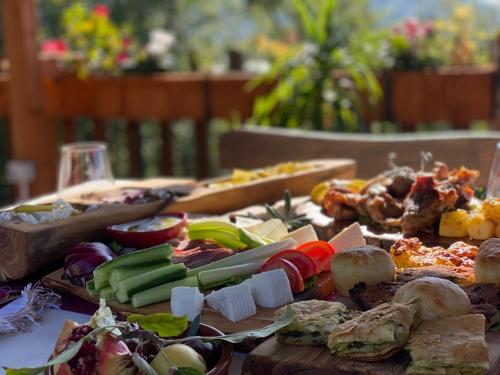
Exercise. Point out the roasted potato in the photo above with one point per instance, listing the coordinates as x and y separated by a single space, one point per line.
454 224
491 209
479 227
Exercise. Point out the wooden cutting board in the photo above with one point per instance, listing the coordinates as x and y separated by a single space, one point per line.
207 200
209 316
272 357
263 317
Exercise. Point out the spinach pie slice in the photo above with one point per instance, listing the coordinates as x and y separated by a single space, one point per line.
374 335
314 320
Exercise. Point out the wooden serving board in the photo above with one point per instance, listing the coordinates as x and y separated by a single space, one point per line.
204 199
272 357
25 248
263 317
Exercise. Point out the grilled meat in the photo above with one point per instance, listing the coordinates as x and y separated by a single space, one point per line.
402 198
341 204
425 204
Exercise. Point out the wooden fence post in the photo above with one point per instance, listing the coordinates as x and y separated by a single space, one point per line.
32 137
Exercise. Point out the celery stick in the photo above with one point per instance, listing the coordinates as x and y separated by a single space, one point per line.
151 255
122 273
220 276
107 294
161 292
133 285
247 256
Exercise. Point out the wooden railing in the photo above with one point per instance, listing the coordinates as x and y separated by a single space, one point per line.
409 97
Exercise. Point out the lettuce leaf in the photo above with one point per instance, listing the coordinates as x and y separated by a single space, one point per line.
165 325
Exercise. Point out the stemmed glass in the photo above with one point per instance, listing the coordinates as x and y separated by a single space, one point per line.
84 163
493 190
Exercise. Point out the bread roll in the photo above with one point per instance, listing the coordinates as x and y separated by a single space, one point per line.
366 264
435 298
487 262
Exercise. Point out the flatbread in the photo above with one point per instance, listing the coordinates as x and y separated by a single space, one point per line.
454 345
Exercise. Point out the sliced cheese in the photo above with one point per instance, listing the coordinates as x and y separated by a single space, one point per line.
233 302
303 234
186 301
349 237
271 289
272 229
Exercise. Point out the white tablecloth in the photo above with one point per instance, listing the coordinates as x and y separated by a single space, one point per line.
33 348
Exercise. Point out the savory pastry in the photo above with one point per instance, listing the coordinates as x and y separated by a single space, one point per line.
459 257
445 346
435 298
374 335
366 264
313 321
487 264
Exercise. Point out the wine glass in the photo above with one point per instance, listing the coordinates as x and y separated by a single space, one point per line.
84 164
493 190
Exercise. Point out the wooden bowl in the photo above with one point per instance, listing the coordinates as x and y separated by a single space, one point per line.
141 240
221 367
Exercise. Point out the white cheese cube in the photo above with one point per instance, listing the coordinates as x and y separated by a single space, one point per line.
233 302
349 237
303 234
186 301
271 289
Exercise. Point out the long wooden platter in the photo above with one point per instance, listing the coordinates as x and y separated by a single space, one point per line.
204 199
272 357
25 248
209 316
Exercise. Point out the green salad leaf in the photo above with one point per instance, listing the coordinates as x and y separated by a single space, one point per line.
164 324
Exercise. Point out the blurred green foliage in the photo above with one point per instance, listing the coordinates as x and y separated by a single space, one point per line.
320 82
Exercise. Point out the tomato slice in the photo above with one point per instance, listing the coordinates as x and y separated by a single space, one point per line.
320 251
302 261
292 272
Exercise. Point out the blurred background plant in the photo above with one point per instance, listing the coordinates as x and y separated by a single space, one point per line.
91 41
319 82
457 40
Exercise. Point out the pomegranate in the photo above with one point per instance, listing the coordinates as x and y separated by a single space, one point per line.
107 357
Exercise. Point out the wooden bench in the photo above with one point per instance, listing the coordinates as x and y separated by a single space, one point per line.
251 147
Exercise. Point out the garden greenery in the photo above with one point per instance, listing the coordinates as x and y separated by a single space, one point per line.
321 83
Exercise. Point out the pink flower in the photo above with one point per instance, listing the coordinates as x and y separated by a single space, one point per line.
426 28
101 10
54 46
411 28
122 57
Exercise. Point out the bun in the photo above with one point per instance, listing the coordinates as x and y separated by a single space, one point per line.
435 298
367 264
487 262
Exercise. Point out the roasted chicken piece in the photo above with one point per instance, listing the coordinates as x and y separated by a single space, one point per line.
341 204
425 204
